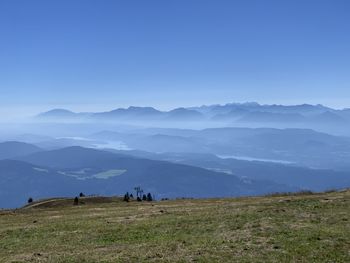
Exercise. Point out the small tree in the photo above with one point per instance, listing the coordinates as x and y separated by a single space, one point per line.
30 200
149 197
138 199
144 198
126 197
139 191
76 201
81 195
131 196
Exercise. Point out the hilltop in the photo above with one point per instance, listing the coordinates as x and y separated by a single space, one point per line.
281 228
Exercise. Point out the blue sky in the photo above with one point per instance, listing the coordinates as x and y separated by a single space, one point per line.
96 55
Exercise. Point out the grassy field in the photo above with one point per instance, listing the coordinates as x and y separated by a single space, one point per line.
300 228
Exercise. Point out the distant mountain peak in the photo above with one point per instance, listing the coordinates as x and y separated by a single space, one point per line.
141 108
56 112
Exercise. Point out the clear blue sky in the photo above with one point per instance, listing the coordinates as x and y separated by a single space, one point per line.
94 55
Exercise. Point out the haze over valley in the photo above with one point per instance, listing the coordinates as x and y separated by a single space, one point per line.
175 131
237 149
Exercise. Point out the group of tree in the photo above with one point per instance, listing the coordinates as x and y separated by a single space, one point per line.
139 196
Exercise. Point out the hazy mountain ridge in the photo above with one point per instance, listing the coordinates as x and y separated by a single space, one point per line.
130 113
290 175
69 171
302 146
13 149
184 146
242 112
20 180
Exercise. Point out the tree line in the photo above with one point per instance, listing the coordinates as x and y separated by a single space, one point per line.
140 196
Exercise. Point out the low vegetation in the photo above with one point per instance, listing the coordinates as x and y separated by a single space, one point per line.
282 228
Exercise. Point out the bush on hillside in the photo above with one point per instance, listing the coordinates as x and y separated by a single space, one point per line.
76 201
149 197
126 197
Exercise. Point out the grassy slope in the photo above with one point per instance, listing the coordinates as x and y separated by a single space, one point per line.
307 228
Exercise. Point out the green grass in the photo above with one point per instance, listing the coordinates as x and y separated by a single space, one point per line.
298 228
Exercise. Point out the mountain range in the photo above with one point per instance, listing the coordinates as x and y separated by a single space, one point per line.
69 171
232 112
131 113
303 147
235 149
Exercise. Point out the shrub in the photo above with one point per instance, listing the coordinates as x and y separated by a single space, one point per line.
126 197
76 201
30 200
149 197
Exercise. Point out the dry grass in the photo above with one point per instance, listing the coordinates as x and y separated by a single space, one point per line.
298 228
